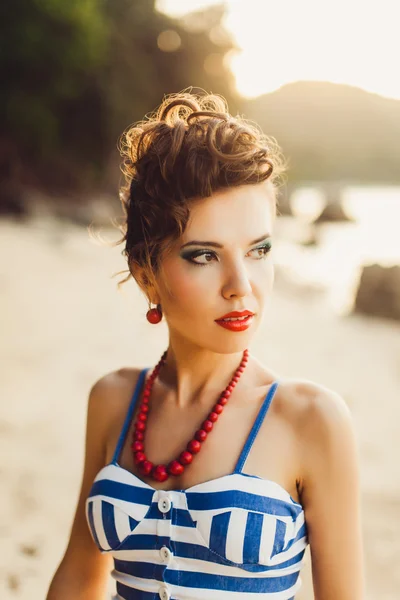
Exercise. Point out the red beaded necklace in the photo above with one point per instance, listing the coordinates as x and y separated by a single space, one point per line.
176 467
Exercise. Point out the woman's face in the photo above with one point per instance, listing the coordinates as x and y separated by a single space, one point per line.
217 266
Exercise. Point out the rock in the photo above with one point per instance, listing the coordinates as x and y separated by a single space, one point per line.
379 292
28 549
332 213
333 210
13 581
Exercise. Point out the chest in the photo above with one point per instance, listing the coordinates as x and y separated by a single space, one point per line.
170 428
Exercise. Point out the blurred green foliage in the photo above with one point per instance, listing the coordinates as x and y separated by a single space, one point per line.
76 73
50 51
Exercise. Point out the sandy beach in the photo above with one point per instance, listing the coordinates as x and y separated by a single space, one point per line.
64 324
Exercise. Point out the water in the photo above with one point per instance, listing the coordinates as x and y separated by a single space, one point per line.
335 263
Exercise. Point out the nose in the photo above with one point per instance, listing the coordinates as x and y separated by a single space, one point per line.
237 282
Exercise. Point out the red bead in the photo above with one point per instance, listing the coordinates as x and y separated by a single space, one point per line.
145 467
175 468
200 435
213 416
194 446
240 370
140 426
139 457
218 408
236 379
160 473
144 408
137 446
153 316
207 425
142 417
226 394
138 435
222 401
230 388
185 457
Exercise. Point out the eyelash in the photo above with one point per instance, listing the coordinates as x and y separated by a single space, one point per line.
266 247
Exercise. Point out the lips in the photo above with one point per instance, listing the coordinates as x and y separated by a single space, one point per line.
236 313
236 321
236 324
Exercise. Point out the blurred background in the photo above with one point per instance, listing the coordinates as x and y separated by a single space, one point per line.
320 77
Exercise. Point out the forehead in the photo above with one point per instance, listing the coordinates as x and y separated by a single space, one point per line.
244 212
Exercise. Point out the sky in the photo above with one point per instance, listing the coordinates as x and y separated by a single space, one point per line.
355 42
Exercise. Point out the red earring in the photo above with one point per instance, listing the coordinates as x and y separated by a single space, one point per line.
154 315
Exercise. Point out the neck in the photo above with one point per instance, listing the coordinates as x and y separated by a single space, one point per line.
193 374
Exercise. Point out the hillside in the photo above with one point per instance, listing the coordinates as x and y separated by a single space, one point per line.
332 132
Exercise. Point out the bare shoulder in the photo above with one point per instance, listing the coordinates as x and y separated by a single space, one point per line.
109 399
109 391
327 415
324 428
114 380
313 405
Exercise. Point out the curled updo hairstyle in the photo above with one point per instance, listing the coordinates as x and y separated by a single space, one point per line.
189 148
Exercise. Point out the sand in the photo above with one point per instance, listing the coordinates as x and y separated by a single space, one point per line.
63 324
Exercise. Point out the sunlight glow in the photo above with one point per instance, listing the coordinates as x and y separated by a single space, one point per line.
348 41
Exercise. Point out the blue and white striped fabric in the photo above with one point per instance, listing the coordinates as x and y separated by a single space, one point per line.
235 535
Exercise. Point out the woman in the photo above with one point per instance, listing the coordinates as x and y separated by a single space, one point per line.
208 476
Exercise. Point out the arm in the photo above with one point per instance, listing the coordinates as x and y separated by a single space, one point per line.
331 498
83 571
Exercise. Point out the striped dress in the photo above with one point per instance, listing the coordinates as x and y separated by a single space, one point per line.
238 535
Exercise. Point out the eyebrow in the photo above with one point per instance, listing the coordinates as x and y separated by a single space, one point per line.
217 245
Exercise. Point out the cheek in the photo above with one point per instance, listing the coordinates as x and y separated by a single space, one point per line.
187 285
269 273
262 277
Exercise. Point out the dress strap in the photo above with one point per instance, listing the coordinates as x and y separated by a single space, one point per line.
129 414
256 426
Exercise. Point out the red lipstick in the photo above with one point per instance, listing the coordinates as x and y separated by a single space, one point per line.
236 324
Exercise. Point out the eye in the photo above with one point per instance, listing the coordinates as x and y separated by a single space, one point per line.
205 257
198 254
263 250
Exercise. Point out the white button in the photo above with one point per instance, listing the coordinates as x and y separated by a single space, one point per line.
163 592
165 554
164 504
